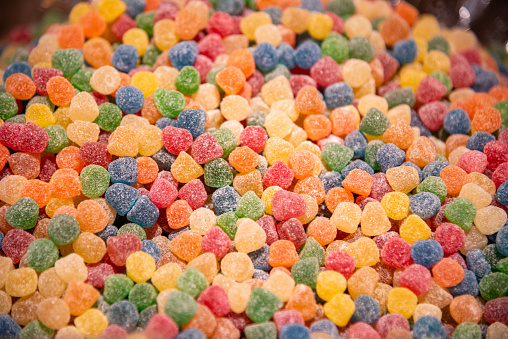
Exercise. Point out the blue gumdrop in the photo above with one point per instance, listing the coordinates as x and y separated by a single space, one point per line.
260 274
357 142
164 159
457 122
174 233
468 285
193 333
123 170
429 327
367 310
232 7
357 164
389 156
8 327
1 239
477 141
502 193
485 80
433 169
225 199
165 122
121 197
294 331
144 212
130 99
331 179
405 51
265 56
124 314
108 231
183 54
338 95
260 258
286 55
416 122
312 5
477 264
151 248
18 67
502 241
325 326
125 58
307 54
134 7
275 14
425 204
426 252
193 120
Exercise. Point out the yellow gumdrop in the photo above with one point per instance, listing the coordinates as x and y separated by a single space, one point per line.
363 281
414 229
83 131
80 9
436 61
287 106
147 82
371 100
426 27
249 236
278 124
296 19
83 107
55 203
340 309
280 284
346 217
71 267
165 276
329 284
421 45
105 80
149 139
251 22
276 89
123 142
208 96
140 266
400 112
138 38
411 78
403 178
234 107
40 115
267 197
21 282
277 149
206 263
202 220
396 205
238 295
476 194
166 76
164 35
357 25
185 169
134 122
320 25
356 72
61 115
402 301
111 9
91 323
374 219
297 136
364 251
268 33
423 310
90 247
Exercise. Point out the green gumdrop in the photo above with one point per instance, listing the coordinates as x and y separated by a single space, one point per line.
168 103
23 214
361 48
306 272
312 249
434 185
143 295
493 286
438 43
262 305
371 154
467 330
374 122
116 288
188 80
492 255
266 330
151 55
57 138
502 265
461 211
94 181
257 119
81 80
145 21
8 106
502 107
41 254
404 95
377 22
146 315
227 222
17 119
440 157
101 305
277 71
227 140
250 206
40 100
109 118
132 228
218 173
192 282
343 8
181 307
63 229
35 329
336 47
336 156
69 61
444 79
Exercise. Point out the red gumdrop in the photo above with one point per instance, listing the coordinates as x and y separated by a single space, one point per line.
161 326
122 25
211 45
169 177
256 81
121 246
16 244
416 278
205 148
472 56
500 175
389 322
326 72
216 299
380 186
220 23
397 253
48 167
254 137
216 241
269 225
162 193
94 153
41 76
450 236
99 98
461 73
293 231
240 320
497 154
287 205
166 10
458 259
390 86
176 140
236 23
439 218
282 318
381 240
362 330
430 89
389 63
363 201
203 65
32 138
9 134
503 136
340 262
298 81
194 193
473 161
97 274
143 192
496 310
279 174
338 22
433 114
331 138
114 332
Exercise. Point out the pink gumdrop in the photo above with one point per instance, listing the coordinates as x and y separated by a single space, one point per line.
380 186
121 246
389 63
362 330
220 23
439 218
497 154
389 322
450 236
216 299
176 140
97 274
473 161
279 174
169 177
458 259
338 22
162 193
32 138
206 148
326 72
9 134
211 46
114 332
496 310
161 326
381 240
461 73
269 225
203 65
390 86
293 231
48 167
256 81
254 137
99 98
282 318
16 244
430 89
416 278
363 201
331 138
298 81
472 56
500 175
433 114
287 205
194 193
41 76
340 262
397 253
94 153
216 241
240 320
503 136
122 25
166 10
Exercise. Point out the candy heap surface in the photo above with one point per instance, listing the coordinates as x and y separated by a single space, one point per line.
195 169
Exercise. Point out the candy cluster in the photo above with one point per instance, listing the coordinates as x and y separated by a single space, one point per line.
195 169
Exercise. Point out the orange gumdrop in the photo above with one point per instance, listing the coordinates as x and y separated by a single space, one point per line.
322 230
4 156
343 121
80 296
125 80
454 177
337 195
282 253
358 181
421 152
147 170
69 158
447 273
487 120
407 12
93 24
317 127
308 101
377 71
243 60
71 36
246 92
204 320
400 134
97 52
288 35
60 91
303 301
25 164
67 210
152 5
186 245
187 24
302 163
20 86
92 217
499 93
230 79
66 183
38 190
280 268
149 110
454 141
393 29
477 101
312 186
244 159
178 214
